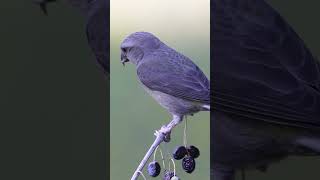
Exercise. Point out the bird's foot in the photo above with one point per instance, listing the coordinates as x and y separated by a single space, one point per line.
165 131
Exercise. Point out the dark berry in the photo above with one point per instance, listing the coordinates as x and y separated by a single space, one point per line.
179 153
168 175
193 151
188 164
154 169
175 178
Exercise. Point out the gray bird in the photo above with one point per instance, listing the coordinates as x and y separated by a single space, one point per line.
171 78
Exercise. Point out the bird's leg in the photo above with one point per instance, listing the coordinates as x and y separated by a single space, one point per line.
166 129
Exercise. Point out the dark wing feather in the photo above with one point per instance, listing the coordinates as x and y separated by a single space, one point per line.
176 75
261 69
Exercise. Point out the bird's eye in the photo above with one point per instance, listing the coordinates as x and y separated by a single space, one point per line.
123 50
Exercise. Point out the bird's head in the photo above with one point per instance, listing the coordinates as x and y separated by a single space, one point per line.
136 45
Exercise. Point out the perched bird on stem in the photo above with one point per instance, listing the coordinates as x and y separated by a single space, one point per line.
171 78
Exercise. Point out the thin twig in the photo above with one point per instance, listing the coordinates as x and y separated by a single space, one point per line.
185 133
174 167
156 143
142 175
160 135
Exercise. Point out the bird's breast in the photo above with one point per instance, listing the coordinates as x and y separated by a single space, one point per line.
173 104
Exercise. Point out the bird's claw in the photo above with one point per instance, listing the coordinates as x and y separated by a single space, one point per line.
165 131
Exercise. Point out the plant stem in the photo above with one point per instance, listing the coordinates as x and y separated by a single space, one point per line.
156 143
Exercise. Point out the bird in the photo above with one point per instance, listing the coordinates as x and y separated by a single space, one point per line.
97 30
265 91
171 78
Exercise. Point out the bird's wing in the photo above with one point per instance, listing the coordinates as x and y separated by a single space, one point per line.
176 75
97 28
261 69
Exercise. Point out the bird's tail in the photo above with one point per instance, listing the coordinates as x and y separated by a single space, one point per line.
206 107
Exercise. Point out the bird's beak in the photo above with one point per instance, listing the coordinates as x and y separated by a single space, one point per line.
124 59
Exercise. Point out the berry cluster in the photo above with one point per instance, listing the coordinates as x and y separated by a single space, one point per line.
188 156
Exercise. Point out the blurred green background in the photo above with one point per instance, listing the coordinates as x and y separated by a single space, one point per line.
183 25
